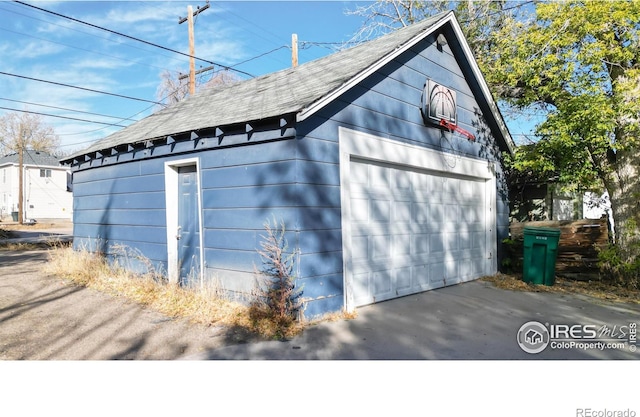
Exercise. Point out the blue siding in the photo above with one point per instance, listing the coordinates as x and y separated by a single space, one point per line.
242 188
122 206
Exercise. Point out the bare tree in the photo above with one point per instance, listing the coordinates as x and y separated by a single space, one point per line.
384 16
20 131
220 79
173 88
479 18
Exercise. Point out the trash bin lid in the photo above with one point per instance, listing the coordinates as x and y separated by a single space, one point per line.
541 231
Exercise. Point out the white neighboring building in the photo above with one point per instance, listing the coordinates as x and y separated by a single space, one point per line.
47 194
595 206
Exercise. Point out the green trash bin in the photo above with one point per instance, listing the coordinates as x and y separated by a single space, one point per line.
14 216
540 253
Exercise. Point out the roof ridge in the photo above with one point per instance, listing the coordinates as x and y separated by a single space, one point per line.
287 91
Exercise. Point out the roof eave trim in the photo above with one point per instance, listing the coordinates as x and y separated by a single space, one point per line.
318 105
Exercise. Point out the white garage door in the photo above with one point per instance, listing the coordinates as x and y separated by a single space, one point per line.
413 229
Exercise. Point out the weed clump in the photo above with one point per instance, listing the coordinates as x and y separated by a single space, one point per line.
277 309
619 266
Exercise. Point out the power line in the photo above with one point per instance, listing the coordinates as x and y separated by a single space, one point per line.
65 109
261 55
61 117
128 36
78 88
109 39
95 130
82 49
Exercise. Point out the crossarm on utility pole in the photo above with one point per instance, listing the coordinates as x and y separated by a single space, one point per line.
192 49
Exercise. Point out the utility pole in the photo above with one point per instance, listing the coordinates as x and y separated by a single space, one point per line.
20 176
294 50
192 49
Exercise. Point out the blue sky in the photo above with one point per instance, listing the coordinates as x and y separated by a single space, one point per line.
41 45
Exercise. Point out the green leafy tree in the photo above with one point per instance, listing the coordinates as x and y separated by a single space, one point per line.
578 61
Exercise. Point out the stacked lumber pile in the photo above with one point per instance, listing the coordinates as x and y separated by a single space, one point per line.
578 247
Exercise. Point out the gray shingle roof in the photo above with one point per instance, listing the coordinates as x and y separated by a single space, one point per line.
31 157
283 92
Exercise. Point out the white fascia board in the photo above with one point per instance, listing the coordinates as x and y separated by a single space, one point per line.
314 107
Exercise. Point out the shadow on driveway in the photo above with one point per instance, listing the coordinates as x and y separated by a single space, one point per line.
474 320
43 318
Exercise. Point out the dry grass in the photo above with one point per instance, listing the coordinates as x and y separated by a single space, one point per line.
21 246
198 306
202 306
34 226
597 289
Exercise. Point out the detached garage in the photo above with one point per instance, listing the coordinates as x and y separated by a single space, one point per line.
383 161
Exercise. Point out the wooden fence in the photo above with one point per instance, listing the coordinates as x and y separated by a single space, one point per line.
577 248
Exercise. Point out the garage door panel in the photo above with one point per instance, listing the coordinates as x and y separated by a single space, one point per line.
471 216
420 244
360 250
402 211
436 243
466 269
379 176
402 180
436 273
451 214
403 280
420 278
380 210
478 240
401 245
413 230
361 288
464 241
421 213
359 177
435 214
382 285
381 245
359 209
451 274
450 241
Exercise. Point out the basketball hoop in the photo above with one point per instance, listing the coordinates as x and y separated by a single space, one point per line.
455 128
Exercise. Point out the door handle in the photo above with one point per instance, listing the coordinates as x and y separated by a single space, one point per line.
179 235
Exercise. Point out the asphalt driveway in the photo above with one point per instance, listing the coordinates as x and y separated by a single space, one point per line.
43 318
474 320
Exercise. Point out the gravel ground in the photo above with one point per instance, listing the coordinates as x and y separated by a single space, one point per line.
45 318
